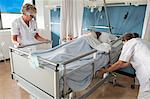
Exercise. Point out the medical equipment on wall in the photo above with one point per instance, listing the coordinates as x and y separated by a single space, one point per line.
99 4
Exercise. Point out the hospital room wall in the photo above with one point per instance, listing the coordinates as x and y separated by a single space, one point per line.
5 42
43 18
122 19
146 26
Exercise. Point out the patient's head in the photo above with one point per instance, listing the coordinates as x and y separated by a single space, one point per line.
93 34
129 36
136 35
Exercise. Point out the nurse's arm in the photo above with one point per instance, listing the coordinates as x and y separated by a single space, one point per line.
117 65
39 38
14 40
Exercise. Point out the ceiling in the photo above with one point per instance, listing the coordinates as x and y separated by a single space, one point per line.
100 2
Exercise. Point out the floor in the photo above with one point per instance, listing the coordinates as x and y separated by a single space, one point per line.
10 90
123 91
8 87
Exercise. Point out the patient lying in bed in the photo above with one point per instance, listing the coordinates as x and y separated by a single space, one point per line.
91 40
100 40
103 37
82 77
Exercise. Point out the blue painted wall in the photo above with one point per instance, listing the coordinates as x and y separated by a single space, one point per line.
122 18
127 18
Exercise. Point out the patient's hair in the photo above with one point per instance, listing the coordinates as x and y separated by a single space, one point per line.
129 36
98 34
135 35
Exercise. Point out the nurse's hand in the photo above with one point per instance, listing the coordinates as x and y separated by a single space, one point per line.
17 44
47 40
101 72
20 46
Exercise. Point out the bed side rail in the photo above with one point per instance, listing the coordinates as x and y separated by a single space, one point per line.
86 54
115 41
18 50
78 57
52 65
33 44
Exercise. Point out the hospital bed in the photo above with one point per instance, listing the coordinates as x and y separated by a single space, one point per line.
54 79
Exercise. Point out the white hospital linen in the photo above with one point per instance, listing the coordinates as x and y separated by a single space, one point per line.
137 52
75 48
96 44
107 37
25 33
69 51
33 61
92 40
65 52
103 47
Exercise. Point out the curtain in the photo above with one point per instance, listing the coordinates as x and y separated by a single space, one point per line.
146 26
71 18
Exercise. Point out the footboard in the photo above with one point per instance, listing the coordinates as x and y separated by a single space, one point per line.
40 82
43 81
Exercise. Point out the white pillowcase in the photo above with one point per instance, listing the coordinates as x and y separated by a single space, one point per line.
107 37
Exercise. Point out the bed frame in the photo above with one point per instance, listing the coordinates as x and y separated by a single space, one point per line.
43 82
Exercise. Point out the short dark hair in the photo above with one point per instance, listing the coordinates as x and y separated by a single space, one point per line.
98 34
129 36
135 35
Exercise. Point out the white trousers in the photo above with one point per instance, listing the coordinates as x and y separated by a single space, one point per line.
144 95
144 92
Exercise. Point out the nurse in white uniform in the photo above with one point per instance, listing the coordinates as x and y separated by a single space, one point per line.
24 29
137 52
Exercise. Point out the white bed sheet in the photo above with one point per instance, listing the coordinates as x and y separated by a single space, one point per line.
81 78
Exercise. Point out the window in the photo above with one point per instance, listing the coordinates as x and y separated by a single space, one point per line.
7 20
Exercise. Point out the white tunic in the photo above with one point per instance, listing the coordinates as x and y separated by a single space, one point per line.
25 33
137 52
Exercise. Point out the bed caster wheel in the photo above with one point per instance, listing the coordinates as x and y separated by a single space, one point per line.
132 86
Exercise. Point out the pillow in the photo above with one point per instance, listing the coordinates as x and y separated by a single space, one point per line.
107 37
